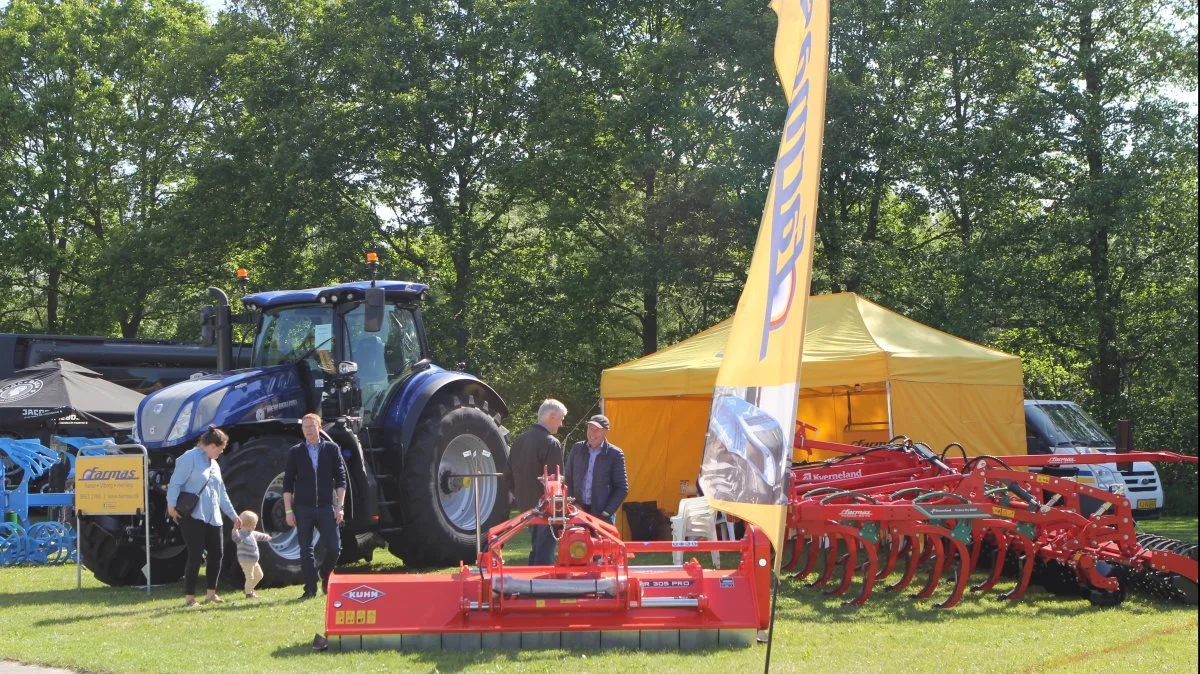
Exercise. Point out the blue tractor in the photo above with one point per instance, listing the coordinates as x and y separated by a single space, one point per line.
409 431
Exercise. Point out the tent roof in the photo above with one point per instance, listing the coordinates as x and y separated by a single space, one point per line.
848 340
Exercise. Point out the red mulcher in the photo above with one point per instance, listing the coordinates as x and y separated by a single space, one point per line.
591 598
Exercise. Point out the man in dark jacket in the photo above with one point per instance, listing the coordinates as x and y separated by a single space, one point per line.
533 452
596 476
314 494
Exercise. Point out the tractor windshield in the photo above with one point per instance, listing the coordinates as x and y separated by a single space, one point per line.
383 357
292 334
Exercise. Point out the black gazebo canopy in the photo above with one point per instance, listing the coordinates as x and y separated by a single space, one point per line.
64 393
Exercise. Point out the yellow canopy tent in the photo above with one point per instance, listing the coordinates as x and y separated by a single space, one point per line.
868 374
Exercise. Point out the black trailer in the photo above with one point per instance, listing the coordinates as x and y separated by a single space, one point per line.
143 365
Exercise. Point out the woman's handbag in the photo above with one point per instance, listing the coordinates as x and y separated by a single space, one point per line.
187 502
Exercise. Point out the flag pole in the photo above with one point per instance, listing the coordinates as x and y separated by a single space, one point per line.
771 625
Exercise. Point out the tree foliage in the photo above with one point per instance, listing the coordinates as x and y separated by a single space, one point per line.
581 182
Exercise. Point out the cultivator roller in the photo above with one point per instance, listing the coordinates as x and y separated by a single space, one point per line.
899 508
590 598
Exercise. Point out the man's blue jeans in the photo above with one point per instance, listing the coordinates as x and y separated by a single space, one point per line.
308 518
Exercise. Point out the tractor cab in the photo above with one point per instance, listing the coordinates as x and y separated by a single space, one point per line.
347 361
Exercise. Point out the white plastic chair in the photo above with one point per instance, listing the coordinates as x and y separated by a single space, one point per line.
694 521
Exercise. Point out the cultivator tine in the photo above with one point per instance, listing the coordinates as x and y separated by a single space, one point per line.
831 557
1027 563
938 554
912 554
796 546
812 550
895 543
977 548
927 552
870 574
997 564
850 565
963 574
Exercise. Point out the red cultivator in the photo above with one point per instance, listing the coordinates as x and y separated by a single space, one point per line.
592 597
901 501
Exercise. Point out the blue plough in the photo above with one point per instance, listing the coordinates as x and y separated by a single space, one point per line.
49 542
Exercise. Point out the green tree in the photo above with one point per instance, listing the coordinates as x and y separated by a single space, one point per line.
1120 151
654 125
103 108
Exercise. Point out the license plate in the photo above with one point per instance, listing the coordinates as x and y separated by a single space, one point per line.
1147 504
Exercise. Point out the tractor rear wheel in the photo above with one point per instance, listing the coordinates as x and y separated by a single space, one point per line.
454 438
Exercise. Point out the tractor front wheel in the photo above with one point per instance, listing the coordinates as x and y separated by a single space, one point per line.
455 440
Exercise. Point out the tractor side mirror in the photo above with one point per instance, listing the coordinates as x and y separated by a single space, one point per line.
208 321
373 317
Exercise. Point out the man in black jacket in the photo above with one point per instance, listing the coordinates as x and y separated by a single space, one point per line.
533 452
596 476
314 494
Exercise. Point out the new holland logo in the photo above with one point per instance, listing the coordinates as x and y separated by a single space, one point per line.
362 594
20 390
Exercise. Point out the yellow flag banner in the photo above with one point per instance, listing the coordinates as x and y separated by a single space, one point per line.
747 451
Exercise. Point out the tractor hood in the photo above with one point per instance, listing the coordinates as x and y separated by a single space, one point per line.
178 414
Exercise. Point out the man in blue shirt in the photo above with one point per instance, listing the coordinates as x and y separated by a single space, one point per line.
314 496
596 476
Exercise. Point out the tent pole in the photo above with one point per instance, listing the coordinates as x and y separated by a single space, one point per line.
887 387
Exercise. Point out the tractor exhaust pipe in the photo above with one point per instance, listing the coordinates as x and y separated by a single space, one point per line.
224 329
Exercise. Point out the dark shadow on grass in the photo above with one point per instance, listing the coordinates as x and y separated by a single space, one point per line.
901 607
92 596
299 649
457 661
151 612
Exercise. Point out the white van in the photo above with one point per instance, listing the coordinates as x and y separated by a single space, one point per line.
1061 427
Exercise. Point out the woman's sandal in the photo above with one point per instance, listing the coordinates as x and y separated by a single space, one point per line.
216 599
188 603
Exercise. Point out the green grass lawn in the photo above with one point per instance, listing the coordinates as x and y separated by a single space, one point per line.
44 620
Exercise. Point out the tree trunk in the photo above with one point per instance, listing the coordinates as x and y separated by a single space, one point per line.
460 299
650 272
129 328
54 283
1099 209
